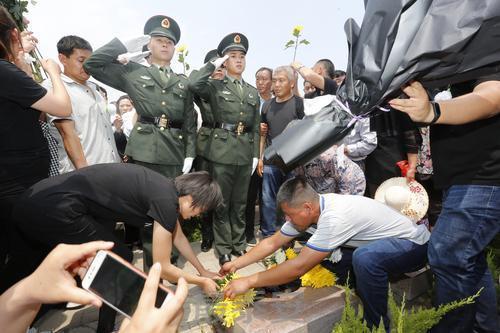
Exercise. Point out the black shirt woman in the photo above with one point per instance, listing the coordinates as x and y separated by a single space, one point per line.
24 155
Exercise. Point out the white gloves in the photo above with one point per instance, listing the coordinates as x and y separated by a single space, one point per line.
125 58
219 61
188 164
255 161
136 44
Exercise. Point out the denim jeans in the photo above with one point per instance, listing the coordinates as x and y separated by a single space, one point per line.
373 265
469 220
272 180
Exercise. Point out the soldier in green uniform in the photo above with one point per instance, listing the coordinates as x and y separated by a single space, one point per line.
163 139
233 142
202 148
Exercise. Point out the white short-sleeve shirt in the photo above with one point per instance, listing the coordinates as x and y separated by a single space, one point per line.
92 125
346 218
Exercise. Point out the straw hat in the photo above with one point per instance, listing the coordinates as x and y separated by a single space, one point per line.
410 199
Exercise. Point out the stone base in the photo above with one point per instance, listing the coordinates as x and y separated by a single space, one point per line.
413 285
304 310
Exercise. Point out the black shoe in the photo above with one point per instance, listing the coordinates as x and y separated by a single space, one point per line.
238 253
251 241
224 258
206 245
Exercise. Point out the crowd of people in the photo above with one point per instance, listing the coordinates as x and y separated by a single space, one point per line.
175 147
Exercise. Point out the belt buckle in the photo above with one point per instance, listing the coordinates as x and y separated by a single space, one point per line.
240 128
163 122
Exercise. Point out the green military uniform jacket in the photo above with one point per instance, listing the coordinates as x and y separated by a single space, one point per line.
152 98
228 106
204 133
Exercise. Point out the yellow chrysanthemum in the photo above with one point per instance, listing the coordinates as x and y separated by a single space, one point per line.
182 48
297 30
290 253
228 310
317 277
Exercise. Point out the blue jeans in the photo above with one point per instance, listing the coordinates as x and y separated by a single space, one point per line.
469 220
272 180
373 265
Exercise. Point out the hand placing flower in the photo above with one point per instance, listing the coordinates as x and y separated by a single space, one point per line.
294 42
183 53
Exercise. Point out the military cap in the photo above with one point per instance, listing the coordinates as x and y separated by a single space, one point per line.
161 25
234 41
211 55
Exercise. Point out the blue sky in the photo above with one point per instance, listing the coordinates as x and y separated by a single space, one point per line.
267 24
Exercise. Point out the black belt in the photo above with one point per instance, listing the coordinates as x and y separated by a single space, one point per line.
161 122
238 128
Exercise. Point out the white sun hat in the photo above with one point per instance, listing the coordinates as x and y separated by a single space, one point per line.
410 199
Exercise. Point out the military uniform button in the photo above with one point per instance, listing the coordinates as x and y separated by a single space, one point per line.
241 103
139 128
144 86
180 137
163 91
163 103
162 128
241 113
215 135
163 116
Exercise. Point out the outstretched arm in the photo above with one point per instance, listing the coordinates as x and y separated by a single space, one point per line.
482 103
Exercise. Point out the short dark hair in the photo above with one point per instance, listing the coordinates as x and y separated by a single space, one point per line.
294 192
338 73
328 65
68 44
204 190
262 69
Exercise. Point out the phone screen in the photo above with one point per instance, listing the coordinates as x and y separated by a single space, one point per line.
121 286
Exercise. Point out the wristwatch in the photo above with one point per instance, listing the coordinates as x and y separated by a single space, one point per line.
437 113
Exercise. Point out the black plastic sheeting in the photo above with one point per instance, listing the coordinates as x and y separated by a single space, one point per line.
437 42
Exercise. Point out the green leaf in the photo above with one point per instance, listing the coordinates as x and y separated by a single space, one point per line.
290 43
186 53
187 66
305 42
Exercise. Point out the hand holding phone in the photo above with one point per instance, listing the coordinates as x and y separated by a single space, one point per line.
148 318
118 283
53 282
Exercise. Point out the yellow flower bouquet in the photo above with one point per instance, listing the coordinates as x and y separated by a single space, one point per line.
227 310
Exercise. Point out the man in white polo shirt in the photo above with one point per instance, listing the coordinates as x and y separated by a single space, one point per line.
393 244
86 137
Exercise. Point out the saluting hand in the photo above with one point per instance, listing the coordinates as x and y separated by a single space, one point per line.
219 61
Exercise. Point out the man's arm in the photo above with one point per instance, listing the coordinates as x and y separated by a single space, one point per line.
72 144
266 247
182 244
309 75
189 126
256 132
283 273
199 82
162 248
482 103
103 66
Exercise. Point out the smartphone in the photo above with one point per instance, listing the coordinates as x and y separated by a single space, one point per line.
118 283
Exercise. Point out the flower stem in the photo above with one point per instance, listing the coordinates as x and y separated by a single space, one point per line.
295 49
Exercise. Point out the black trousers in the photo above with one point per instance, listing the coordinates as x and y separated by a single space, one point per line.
254 192
38 231
18 174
